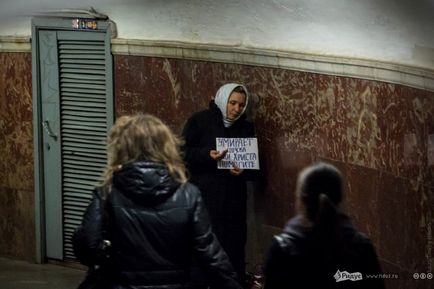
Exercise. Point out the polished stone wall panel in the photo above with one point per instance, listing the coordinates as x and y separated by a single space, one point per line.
162 87
379 135
17 225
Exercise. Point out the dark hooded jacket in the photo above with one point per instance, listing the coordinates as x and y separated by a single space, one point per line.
155 226
224 195
301 257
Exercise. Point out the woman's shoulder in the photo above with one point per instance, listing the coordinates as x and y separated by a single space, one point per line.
198 118
201 122
245 126
349 231
249 125
211 112
202 115
189 191
190 188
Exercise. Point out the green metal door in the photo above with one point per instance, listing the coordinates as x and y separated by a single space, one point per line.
76 113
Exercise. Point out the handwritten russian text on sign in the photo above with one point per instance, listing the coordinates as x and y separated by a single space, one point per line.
242 152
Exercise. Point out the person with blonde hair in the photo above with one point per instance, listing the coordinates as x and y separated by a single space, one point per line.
320 247
153 218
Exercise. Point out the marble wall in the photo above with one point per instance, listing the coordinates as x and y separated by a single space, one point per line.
17 200
380 135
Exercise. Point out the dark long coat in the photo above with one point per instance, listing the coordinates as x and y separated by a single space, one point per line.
224 195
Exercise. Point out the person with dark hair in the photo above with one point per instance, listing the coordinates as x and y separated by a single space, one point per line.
320 247
155 219
224 191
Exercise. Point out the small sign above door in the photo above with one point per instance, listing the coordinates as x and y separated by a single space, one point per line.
84 24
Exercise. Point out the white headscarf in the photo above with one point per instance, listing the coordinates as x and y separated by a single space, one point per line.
221 100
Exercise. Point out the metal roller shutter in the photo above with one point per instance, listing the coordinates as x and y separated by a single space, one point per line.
84 126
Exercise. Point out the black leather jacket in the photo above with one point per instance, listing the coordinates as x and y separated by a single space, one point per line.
297 259
155 226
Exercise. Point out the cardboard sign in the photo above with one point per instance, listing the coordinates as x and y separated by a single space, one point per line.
243 152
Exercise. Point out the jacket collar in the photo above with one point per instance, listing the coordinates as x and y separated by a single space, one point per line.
297 229
145 182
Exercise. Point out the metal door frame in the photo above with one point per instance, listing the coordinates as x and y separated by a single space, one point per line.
51 23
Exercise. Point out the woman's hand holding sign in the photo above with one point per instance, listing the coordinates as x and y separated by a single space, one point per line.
217 155
235 171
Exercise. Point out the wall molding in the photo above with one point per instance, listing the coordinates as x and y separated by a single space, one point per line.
15 44
418 77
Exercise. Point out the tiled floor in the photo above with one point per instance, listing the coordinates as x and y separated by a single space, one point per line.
24 275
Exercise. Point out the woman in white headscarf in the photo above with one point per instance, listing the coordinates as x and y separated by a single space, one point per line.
223 191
